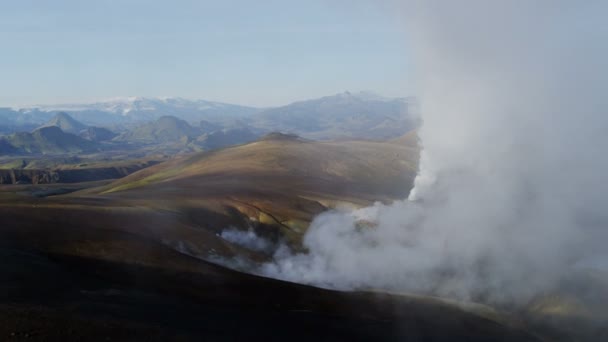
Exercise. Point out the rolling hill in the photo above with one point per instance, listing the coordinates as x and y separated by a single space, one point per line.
370 164
277 184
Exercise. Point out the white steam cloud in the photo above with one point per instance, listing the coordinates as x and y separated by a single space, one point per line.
247 239
512 185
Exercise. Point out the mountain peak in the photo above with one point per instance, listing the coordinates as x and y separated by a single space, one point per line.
364 95
66 123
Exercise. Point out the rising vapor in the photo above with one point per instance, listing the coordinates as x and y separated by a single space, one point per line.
511 188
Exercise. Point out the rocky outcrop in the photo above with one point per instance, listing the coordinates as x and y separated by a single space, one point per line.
27 176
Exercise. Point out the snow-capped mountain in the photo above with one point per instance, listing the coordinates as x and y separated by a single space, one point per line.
341 116
134 109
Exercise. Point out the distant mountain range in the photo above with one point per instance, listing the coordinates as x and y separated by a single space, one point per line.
137 109
164 129
170 129
45 140
341 116
63 134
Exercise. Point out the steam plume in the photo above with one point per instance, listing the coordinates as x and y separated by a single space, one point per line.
512 181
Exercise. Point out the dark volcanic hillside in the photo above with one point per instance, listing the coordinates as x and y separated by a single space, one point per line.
47 140
125 261
83 270
130 260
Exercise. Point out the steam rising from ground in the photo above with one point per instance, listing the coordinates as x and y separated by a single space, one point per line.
247 239
512 182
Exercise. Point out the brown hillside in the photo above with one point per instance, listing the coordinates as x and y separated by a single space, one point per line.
278 182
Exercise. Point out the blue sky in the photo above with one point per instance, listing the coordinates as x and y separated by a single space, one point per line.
259 53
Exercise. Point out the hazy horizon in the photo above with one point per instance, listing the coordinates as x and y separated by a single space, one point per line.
93 101
237 52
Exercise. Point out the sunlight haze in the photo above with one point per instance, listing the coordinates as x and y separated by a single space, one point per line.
264 53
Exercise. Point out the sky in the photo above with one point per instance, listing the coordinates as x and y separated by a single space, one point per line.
261 53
